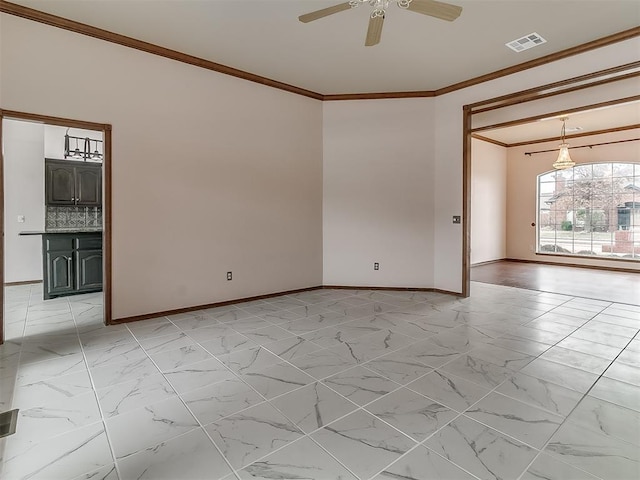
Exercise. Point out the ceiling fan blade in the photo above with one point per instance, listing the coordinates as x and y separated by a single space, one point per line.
375 31
444 11
325 12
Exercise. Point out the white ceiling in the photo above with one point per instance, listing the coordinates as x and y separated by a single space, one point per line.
621 115
328 56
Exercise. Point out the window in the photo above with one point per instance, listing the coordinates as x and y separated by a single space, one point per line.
590 209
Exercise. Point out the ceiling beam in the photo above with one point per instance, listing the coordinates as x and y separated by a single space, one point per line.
576 135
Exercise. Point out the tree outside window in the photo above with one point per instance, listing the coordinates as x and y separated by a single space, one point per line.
590 209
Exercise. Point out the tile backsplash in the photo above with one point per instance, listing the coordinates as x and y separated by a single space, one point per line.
73 218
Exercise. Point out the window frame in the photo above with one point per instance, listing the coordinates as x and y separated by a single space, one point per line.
635 199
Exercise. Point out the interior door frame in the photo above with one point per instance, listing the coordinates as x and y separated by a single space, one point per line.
105 128
594 79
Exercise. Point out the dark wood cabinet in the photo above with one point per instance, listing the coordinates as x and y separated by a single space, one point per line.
72 263
60 273
88 270
73 183
60 184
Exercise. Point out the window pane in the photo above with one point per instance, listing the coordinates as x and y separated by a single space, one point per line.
601 170
622 169
582 172
548 177
591 209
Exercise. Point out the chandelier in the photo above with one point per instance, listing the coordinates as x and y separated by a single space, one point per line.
564 160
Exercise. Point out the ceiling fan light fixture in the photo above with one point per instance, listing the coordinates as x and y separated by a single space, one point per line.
431 8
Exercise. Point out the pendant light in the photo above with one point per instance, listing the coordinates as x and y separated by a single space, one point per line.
84 154
96 155
564 159
76 153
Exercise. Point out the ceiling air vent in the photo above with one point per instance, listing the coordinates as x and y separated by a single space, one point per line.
526 42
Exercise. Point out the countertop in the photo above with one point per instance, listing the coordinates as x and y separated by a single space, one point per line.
49 232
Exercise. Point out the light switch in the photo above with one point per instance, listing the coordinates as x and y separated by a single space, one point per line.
21 218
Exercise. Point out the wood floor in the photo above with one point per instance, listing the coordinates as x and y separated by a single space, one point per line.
606 285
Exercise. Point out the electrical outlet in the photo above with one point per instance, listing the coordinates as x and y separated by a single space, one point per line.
229 276
376 266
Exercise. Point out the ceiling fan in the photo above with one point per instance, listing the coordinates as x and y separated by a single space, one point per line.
444 11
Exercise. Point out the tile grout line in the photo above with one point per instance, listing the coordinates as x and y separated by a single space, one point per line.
335 420
266 400
3 444
494 390
201 426
574 408
363 364
95 395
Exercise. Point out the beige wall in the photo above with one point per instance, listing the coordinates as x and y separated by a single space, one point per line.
488 201
522 172
210 173
378 193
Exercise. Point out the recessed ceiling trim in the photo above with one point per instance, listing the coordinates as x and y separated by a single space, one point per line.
575 135
585 146
91 31
555 88
569 52
558 114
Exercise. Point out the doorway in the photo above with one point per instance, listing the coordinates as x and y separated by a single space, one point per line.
489 121
80 260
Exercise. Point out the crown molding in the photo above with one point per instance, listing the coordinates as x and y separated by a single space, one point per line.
490 140
378 96
88 30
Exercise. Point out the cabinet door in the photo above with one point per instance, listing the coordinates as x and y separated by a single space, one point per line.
88 270
60 184
60 273
88 186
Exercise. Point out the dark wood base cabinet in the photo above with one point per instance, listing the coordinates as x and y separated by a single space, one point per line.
72 263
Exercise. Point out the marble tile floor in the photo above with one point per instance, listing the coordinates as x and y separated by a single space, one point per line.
327 384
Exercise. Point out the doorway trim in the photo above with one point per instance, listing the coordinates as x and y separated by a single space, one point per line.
594 79
105 128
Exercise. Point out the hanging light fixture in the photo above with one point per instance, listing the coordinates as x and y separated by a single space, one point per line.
564 159
76 153
96 155
85 153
